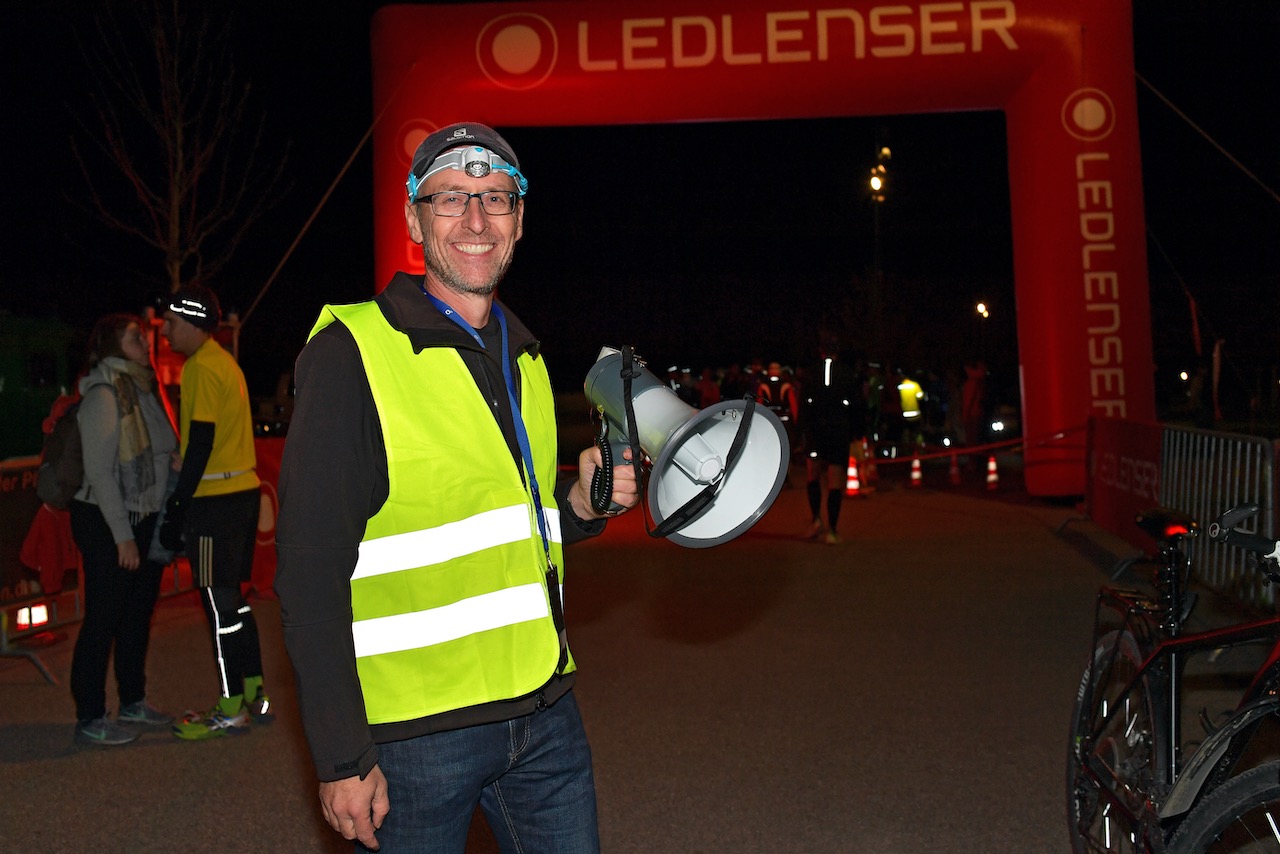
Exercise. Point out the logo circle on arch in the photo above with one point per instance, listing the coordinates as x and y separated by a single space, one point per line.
410 136
1088 115
517 51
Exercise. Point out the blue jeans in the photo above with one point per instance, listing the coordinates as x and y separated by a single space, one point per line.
531 776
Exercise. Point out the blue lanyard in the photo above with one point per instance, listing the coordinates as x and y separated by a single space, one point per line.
522 434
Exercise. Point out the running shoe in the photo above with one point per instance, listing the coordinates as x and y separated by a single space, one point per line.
832 538
260 708
199 726
143 714
104 732
815 530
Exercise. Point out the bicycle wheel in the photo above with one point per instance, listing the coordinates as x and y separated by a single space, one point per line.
1129 744
1242 815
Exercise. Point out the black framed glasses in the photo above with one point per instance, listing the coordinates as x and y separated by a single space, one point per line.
454 202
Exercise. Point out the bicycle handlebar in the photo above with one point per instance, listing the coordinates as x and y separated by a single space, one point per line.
1224 531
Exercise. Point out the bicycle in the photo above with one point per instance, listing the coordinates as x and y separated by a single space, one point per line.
1132 784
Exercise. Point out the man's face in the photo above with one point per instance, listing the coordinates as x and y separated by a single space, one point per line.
183 336
466 254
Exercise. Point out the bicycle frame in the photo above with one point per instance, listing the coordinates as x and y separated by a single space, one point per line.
1166 648
1126 772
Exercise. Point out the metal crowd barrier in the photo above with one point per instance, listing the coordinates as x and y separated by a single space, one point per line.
1205 474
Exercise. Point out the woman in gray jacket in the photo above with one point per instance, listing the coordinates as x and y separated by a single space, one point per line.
129 444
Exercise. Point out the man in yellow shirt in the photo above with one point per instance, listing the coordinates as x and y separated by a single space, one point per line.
213 513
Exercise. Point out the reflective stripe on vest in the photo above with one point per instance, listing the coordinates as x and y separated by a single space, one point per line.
450 622
446 542
459 619
449 600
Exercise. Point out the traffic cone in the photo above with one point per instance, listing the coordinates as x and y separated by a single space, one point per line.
851 485
955 470
993 477
917 478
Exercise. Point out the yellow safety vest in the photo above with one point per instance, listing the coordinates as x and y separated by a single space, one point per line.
449 596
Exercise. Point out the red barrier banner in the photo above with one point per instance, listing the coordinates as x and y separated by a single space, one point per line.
18 507
269 452
1124 475
1061 70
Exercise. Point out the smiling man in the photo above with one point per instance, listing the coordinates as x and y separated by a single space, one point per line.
420 540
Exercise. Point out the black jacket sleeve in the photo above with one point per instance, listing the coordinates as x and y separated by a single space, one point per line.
332 479
196 459
573 529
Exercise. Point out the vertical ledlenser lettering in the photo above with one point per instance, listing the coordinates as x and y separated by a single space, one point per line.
1103 319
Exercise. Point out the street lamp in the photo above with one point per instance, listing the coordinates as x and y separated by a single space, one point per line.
878 184
984 313
880 175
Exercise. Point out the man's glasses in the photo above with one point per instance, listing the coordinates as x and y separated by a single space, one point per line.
454 202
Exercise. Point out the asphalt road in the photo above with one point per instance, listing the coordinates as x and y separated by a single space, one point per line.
905 691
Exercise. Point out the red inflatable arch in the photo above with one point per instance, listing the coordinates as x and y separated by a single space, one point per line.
1061 70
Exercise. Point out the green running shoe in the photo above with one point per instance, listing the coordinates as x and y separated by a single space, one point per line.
200 726
260 708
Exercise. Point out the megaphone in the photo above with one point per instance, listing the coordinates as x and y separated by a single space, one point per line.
722 467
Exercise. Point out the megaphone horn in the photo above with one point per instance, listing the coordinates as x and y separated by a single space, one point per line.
715 472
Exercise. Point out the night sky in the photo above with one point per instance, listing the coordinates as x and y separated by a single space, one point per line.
694 263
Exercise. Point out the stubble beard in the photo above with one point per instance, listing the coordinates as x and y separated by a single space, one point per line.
454 281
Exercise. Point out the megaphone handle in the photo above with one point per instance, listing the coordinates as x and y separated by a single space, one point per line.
602 479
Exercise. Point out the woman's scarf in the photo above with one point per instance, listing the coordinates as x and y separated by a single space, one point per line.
137 468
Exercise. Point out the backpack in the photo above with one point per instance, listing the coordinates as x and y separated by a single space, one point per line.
61 469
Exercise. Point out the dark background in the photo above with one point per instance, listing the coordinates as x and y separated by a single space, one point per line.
694 261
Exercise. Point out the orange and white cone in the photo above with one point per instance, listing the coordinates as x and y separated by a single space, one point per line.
851 484
993 477
955 470
917 477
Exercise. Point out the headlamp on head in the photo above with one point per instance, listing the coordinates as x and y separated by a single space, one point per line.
473 160
197 304
190 309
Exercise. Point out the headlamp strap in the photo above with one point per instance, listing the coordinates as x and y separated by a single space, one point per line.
474 160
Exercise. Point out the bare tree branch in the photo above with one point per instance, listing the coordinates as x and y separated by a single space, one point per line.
174 160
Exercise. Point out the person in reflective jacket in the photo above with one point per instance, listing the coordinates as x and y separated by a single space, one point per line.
421 534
